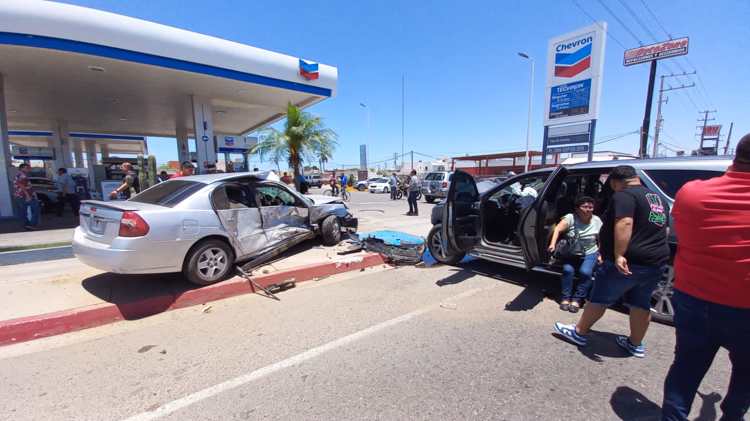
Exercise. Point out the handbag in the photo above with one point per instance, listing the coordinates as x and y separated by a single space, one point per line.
569 248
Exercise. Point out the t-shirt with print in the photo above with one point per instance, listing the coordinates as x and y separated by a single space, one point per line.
22 186
648 243
588 234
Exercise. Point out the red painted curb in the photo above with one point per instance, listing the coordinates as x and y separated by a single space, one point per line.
34 327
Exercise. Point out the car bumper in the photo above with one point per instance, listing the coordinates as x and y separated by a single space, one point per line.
435 193
125 258
350 223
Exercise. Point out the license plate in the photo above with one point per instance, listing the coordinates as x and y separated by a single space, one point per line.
97 225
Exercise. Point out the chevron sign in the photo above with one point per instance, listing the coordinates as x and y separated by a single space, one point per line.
574 57
308 69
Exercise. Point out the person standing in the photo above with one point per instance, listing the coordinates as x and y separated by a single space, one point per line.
343 181
393 183
163 176
635 251
67 193
413 191
712 288
26 203
582 226
332 181
129 186
186 170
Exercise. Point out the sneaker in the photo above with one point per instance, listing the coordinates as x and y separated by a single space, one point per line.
569 333
636 351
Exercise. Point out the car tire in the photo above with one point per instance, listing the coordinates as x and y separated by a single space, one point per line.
435 247
208 262
362 187
662 309
386 190
429 199
330 230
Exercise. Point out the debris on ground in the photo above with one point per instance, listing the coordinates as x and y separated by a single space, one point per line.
449 306
208 309
398 247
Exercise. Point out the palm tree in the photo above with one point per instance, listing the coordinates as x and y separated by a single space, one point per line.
305 137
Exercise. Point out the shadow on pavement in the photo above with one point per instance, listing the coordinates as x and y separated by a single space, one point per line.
139 296
600 344
708 408
630 405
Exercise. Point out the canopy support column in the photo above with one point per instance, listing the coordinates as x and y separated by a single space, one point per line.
183 151
6 199
203 127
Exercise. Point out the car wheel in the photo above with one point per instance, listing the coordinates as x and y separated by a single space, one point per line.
429 199
662 309
208 262
361 187
331 230
434 244
386 190
419 195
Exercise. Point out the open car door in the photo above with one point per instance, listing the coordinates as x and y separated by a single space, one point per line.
461 228
538 219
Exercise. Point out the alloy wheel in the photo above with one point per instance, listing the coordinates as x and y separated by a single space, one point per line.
212 263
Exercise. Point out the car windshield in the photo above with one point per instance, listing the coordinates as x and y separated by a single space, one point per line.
169 193
670 181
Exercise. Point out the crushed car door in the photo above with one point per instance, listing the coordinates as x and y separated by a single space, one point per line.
285 217
537 219
461 217
240 216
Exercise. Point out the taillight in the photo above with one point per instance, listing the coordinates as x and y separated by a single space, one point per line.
445 184
132 225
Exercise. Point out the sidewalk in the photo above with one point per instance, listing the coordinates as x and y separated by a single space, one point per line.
36 238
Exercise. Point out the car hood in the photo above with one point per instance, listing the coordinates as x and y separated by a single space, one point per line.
319 199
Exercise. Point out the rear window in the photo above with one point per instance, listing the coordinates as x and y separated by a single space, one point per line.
434 176
671 181
169 193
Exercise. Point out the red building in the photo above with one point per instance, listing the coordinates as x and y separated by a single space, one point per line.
500 163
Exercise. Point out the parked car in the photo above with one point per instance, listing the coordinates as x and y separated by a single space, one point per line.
314 180
379 185
46 192
363 185
509 224
435 185
202 225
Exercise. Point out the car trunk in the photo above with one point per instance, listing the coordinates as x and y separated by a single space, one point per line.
100 221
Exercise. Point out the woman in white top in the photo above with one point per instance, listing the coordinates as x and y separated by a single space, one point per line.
587 226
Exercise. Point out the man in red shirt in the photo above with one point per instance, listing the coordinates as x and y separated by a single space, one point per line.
186 170
712 287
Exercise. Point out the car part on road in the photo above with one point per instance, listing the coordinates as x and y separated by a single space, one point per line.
208 262
435 245
397 247
250 279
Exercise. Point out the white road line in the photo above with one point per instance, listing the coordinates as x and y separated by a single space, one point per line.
185 401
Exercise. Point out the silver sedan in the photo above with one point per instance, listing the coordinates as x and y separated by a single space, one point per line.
202 225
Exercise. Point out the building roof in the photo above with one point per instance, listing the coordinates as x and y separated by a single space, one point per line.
501 155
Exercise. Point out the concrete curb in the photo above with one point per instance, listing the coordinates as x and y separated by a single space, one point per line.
34 327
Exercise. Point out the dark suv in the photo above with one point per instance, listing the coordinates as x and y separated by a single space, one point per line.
511 222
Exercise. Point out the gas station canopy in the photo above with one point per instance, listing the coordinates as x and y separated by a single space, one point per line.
67 69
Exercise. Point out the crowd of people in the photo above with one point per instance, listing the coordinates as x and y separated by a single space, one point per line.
623 257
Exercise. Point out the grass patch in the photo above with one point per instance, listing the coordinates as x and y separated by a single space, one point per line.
35 246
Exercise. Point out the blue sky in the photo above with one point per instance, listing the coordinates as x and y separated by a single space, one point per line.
466 88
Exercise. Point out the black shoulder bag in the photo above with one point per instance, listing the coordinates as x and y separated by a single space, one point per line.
569 249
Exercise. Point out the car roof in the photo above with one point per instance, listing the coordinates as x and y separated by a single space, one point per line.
719 163
214 178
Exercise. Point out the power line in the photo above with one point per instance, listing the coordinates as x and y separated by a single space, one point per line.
617 18
609 34
653 15
638 20
618 136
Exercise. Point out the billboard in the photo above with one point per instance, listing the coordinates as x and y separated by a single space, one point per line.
574 70
235 144
711 131
363 157
658 51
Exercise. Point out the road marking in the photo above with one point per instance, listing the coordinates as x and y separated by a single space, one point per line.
185 401
31 250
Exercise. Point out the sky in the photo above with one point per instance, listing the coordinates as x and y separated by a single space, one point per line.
466 88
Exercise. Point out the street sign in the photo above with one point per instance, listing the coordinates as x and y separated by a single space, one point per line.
662 50
204 138
711 131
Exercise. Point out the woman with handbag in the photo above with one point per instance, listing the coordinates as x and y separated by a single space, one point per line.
578 250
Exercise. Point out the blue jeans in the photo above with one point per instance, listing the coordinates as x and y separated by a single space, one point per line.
702 328
22 211
413 202
636 289
585 271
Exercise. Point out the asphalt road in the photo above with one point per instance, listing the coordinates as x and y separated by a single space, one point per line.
410 343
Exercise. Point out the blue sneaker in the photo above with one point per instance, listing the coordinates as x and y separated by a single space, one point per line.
636 351
569 332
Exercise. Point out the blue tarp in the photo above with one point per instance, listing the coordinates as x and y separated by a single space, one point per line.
393 238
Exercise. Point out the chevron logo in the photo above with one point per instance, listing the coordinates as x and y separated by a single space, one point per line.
308 70
571 64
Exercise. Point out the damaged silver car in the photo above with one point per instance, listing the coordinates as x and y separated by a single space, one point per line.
203 225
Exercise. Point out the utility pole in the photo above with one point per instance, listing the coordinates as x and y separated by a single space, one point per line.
395 157
659 118
729 137
412 160
403 115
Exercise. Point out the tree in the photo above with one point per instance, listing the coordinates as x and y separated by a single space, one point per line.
305 138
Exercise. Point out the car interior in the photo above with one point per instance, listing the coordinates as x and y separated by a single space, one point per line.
503 210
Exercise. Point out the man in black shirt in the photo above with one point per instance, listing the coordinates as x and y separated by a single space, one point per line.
635 251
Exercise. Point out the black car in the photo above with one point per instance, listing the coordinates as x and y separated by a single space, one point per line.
511 222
